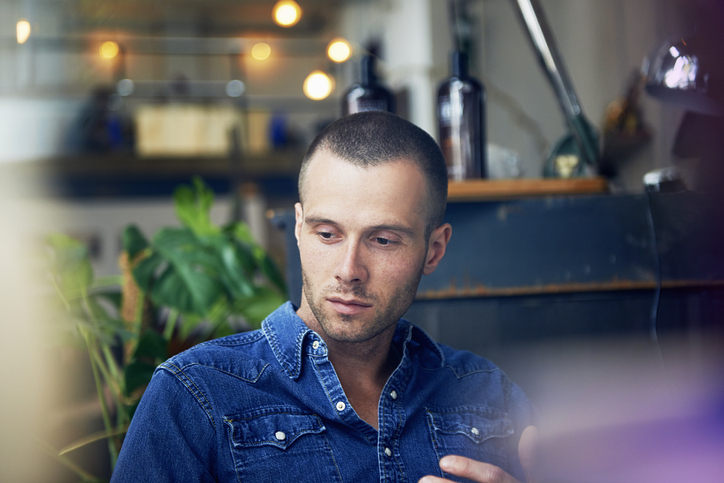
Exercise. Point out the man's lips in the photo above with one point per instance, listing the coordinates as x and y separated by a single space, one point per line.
348 306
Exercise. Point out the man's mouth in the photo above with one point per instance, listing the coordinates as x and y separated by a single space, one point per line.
348 306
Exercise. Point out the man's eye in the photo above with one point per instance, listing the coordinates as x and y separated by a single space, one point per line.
325 235
383 241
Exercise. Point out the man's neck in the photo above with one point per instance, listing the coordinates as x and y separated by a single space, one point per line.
363 374
371 362
362 367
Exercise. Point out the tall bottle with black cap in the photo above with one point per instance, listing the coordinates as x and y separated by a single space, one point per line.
369 94
461 122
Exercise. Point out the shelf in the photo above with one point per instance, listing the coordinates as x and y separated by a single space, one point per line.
122 175
499 189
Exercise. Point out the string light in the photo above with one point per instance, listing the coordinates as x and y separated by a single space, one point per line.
109 49
22 29
286 13
339 50
318 85
261 51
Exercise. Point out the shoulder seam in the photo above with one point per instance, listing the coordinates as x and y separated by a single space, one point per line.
192 387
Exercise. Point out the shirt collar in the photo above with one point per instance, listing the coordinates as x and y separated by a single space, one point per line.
286 333
415 341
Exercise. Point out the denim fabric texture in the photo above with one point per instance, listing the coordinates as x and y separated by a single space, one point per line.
267 406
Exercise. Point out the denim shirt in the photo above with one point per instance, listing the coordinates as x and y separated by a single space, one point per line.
267 406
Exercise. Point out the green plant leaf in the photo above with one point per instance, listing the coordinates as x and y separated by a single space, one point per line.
185 290
245 255
114 297
189 323
145 270
241 231
253 256
92 438
133 241
257 307
152 346
174 239
271 271
193 207
235 278
70 264
137 374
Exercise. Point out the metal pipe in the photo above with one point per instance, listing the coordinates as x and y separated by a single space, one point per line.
551 60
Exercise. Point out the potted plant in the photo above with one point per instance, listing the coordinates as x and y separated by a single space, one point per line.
184 285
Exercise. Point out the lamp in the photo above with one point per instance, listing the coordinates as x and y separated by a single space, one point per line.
286 13
22 30
680 72
688 72
318 85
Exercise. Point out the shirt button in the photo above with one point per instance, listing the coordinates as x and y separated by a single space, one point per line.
315 345
341 405
393 394
388 451
280 435
475 431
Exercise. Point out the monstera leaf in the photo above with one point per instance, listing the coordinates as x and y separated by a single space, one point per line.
200 267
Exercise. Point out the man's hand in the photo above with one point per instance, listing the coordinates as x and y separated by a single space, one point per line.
487 473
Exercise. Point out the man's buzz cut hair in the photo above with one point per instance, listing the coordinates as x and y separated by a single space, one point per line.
372 138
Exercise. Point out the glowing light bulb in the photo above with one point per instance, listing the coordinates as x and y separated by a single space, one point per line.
287 13
318 85
22 29
339 50
261 51
109 49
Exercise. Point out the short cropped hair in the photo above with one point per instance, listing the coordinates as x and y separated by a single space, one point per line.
372 138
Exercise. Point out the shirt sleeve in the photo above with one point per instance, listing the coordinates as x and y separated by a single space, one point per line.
171 438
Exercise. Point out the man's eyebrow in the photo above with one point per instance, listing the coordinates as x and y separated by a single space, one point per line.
400 228
313 220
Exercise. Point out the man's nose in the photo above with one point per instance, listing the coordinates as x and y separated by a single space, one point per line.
351 268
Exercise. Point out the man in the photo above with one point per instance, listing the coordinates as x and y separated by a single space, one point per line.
341 388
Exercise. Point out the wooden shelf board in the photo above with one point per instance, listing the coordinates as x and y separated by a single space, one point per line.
487 190
576 287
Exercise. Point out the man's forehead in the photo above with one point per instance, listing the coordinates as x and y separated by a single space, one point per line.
391 193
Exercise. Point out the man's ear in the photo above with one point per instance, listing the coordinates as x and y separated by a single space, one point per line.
436 247
299 216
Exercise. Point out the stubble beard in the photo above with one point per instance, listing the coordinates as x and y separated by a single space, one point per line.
383 318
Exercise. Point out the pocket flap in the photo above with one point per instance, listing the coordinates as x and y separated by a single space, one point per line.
278 429
476 425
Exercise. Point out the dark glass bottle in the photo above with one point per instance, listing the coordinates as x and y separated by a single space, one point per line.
461 122
368 95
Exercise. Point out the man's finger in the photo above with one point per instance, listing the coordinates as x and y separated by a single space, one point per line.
528 452
473 470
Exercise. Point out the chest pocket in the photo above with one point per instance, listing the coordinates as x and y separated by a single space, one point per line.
268 440
477 433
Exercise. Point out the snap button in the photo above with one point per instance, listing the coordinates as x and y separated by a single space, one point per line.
475 431
280 435
315 345
388 451
393 394
341 405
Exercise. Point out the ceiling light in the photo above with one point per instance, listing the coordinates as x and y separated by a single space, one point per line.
339 50
125 87
235 88
109 49
286 13
318 85
22 28
261 51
